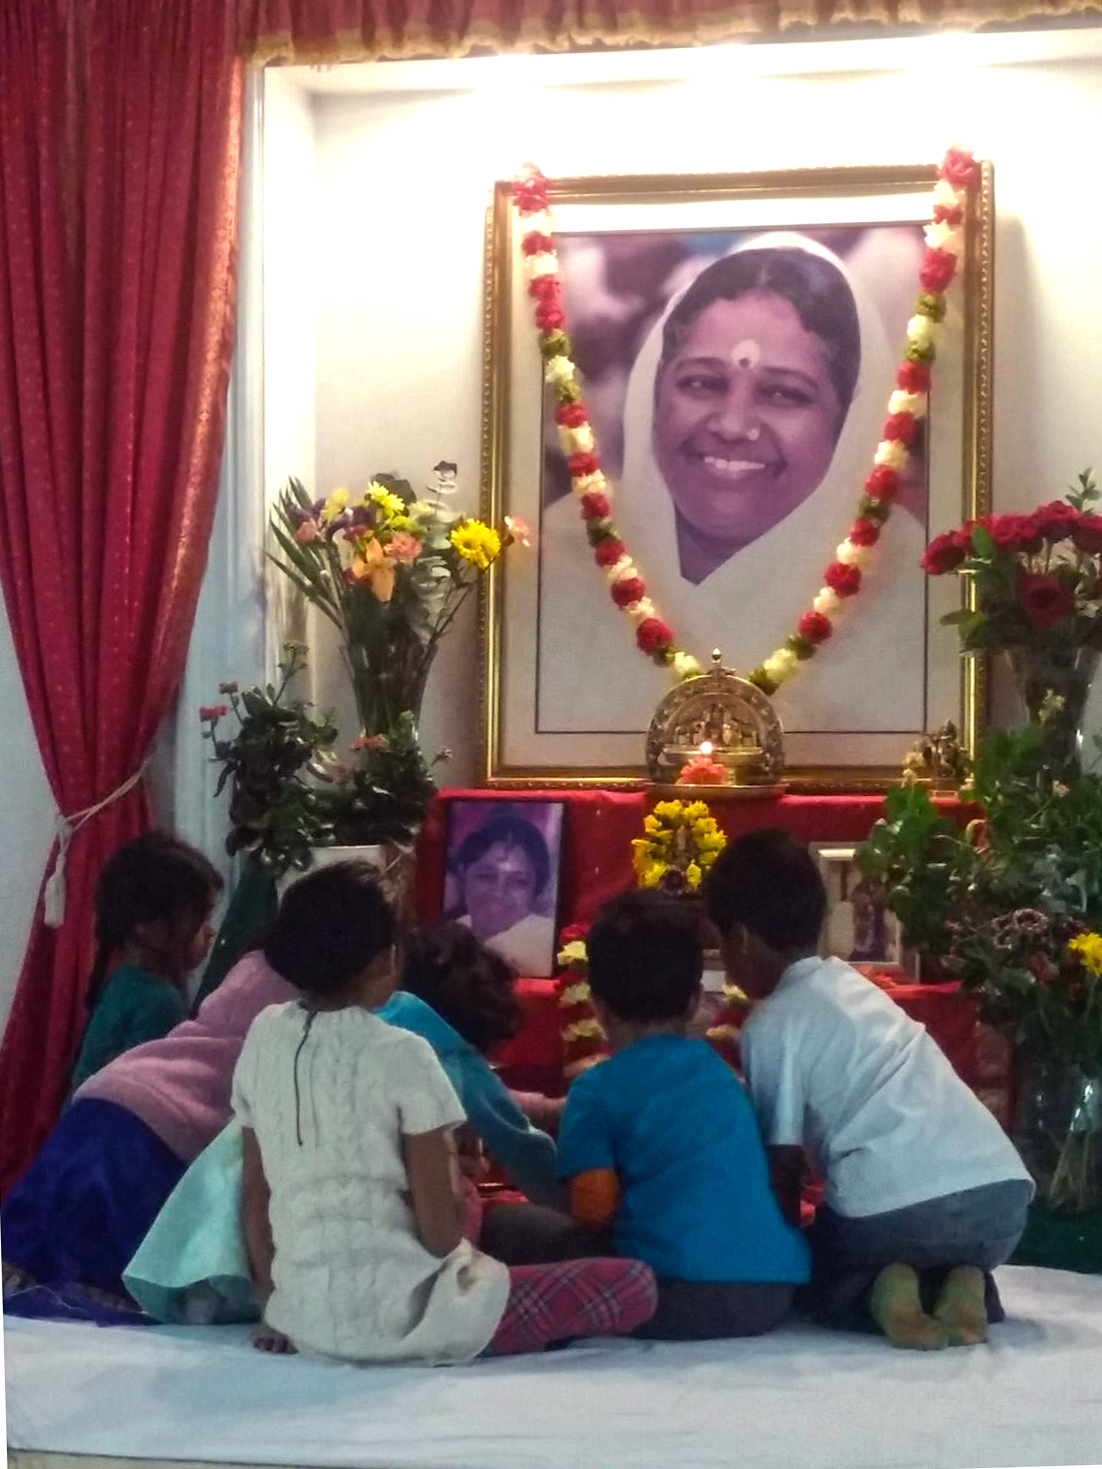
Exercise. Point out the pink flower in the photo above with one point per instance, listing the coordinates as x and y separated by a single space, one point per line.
307 532
212 711
518 530
403 548
368 742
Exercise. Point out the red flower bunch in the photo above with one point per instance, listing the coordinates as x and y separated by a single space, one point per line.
1045 601
529 190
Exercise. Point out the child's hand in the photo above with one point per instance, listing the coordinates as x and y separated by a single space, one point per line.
472 1160
267 1339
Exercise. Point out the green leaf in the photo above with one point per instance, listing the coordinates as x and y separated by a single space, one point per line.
982 542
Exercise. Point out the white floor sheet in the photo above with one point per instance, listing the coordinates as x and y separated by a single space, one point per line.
801 1398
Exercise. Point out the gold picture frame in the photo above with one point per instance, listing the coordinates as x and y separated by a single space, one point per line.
875 200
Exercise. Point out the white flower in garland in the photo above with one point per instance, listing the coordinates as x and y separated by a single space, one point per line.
592 484
828 602
892 453
620 570
686 666
912 403
923 332
947 197
560 371
641 610
577 440
542 264
944 237
850 555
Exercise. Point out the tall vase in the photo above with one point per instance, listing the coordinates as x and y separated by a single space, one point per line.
1059 1135
1054 684
388 680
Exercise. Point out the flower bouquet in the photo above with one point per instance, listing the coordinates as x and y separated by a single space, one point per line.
1037 596
390 571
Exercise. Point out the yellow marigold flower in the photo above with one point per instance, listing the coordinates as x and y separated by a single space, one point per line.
477 543
667 810
1088 949
575 994
580 1029
389 503
651 875
573 953
696 811
336 504
652 825
693 874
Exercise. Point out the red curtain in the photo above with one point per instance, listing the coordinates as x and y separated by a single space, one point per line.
119 147
358 30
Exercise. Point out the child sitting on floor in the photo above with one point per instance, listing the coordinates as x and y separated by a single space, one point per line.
353 1203
925 1194
154 899
660 1140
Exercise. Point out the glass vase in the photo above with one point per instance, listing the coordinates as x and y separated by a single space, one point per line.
388 680
1059 1136
1054 684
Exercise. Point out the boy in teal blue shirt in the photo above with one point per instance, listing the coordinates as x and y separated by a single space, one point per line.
660 1141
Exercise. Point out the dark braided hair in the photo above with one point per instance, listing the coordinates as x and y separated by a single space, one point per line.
154 878
817 289
467 985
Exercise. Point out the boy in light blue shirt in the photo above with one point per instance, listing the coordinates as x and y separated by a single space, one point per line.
660 1141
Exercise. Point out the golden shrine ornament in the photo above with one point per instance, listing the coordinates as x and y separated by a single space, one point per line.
722 717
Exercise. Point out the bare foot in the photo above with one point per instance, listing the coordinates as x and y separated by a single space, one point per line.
267 1339
961 1306
896 1307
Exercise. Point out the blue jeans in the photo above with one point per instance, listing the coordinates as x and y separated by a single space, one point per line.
977 1226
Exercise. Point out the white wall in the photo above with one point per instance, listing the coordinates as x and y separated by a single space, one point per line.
372 267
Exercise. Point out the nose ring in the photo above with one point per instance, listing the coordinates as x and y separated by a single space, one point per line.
753 434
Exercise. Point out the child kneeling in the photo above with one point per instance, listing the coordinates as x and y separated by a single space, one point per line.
660 1140
925 1194
353 1201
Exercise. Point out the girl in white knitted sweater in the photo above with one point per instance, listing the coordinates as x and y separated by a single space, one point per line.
353 1199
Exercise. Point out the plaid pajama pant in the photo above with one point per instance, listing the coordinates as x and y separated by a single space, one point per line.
553 1303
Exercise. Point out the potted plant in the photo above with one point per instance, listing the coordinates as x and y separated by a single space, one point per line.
1037 597
390 571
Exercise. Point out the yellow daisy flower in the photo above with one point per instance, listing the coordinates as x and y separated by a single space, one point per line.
477 543
336 504
389 503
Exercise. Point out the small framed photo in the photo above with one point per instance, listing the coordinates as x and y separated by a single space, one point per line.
503 878
859 926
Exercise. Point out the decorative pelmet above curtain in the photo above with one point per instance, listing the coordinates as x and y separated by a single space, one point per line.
305 31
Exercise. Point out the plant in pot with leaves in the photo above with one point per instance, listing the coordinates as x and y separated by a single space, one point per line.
276 763
390 570
1036 583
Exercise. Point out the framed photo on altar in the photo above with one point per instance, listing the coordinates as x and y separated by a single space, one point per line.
502 879
736 339
859 926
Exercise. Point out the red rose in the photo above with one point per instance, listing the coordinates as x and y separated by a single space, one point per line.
901 426
1045 601
950 214
882 483
958 168
549 317
1087 535
544 287
212 711
844 581
913 377
608 552
580 465
944 553
595 506
815 627
627 590
1032 535
537 243
1057 520
652 634
864 533
571 415
1009 531
938 269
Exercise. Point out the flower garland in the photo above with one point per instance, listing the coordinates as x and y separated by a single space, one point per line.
680 842
906 407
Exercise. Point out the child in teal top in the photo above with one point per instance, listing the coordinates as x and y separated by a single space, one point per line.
153 905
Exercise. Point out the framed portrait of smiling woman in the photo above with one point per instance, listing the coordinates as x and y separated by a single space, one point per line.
736 340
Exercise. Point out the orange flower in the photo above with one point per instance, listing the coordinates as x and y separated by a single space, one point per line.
372 567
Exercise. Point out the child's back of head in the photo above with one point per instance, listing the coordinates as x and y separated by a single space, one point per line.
331 925
645 957
468 986
156 893
767 882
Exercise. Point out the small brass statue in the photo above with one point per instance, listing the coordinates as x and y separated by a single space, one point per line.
939 758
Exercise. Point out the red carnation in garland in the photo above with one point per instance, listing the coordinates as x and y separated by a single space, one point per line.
544 287
882 483
549 317
572 932
938 269
530 193
913 377
950 214
901 426
1087 535
595 506
652 635
571 415
535 242
628 590
815 627
608 552
580 465
958 168
864 533
944 553
1045 601
844 581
